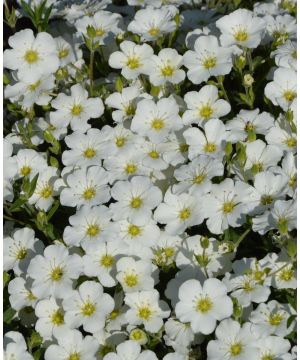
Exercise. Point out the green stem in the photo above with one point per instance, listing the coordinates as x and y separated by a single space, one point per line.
242 237
221 85
91 72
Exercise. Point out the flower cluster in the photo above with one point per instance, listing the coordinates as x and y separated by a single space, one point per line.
150 180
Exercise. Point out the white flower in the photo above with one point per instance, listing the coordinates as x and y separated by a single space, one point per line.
208 59
283 216
15 347
86 149
249 283
289 171
282 136
35 90
281 28
54 272
273 346
105 23
195 177
135 275
19 249
89 225
100 260
178 212
165 249
156 120
233 342
271 318
178 335
211 142
135 199
146 309
88 306
151 23
283 89
71 345
67 52
50 315
30 55
260 156
203 305
204 105
124 102
45 190
21 295
165 67
286 55
133 59
242 28
29 163
75 109
130 350
249 122
86 186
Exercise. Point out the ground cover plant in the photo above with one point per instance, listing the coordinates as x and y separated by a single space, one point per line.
150 180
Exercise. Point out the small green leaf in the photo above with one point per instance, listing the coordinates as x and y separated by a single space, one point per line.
8 315
290 320
33 185
6 278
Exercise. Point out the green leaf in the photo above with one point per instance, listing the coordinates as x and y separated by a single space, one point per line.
53 209
35 340
119 84
6 278
290 320
16 206
292 300
8 315
54 162
33 185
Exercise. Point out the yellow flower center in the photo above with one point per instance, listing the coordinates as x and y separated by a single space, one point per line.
133 62
247 286
257 167
31 56
136 202
267 357
89 193
249 127
206 111
25 170
235 349
46 192
120 141
131 280
74 356
144 312
130 168
136 334
130 110
93 230
266 200
89 153
228 207
76 110
57 318
63 53
134 230
286 274
258 275
167 70
209 62
21 253
107 261
204 305
184 214
88 309
169 252
241 35
183 148
199 179
210 148
154 31
275 319
100 31
56 273
34 86
291 142
153 154
289 95
114 314
157 124
293 181
30 296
